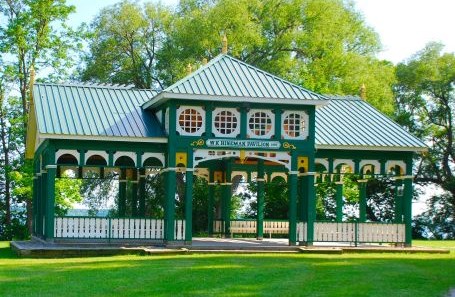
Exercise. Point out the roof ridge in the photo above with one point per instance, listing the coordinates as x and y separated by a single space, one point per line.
194 73
92 85
276 77
343 97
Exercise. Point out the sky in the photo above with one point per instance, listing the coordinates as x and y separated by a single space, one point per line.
404 26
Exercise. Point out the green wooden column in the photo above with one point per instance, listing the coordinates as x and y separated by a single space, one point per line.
134 194
35 193
141 186
210 203
339 201
189 198
398 197
362 184
292 184
292 181
226 189
311 206
170 177
407 208
260 200
43 208
302 214
122 193
51 169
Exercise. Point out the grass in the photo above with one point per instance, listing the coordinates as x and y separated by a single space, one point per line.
231 275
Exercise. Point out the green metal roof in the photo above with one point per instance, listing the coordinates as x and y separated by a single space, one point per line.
350 122
225 78
94 110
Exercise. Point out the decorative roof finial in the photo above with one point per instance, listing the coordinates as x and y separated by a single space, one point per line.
189 69
363 92
31 83
224 48
204 61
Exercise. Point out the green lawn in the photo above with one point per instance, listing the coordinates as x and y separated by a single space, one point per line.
231 275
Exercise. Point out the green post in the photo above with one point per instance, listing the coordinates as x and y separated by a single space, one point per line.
407 209
189 198
134 196
170 178
50 193
226 192
243 122
142 192
277 112
311 207
362 183
292 184
122 193
43 203
260 200
292 207
398 195
339 201
210 204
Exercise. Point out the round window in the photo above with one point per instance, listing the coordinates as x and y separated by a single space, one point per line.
190 120
294 125
226 122
260 123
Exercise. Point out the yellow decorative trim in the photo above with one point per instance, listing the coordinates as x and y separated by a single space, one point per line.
287 145
199 142
302 162
181 158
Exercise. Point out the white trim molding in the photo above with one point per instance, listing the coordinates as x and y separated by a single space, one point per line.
73 153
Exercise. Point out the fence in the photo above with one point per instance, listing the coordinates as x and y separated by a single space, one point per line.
354 232
82 227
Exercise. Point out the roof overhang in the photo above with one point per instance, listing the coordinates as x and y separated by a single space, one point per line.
371 148
104 138
165 96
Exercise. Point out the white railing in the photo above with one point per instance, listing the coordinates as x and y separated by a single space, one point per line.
301 232
354 232
114 228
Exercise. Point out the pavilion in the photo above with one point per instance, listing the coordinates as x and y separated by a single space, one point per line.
225 119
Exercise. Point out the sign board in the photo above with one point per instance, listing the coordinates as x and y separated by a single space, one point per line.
244 144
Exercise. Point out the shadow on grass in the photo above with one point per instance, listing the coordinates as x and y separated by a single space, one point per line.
7 253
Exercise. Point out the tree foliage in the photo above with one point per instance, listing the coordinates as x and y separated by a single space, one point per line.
425 100
322 45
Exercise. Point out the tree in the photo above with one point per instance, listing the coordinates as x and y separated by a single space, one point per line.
425 101
322 45
125 39
32 34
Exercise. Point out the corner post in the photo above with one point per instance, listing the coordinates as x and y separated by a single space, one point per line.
142 192
362 184
407 201
189 198
122 193
170 178
260 200
51 168
134 196
292 180
339 201
227 192
210 203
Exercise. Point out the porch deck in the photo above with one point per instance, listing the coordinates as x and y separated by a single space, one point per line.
37 248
